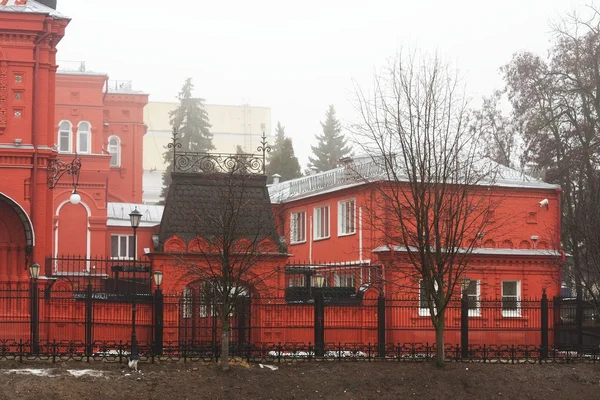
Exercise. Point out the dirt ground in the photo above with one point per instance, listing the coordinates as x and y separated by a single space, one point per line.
331 380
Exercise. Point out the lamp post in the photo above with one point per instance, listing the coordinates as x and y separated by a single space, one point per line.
158 313
135 217
464 318
34 274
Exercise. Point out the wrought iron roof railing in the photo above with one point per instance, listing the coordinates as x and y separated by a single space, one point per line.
187 161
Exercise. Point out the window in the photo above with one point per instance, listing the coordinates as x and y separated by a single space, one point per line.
322 222
114 149
473 293
298 227
121 247
511 298
345 280
296 281
187 302
346 217
64 136
423 303
83 137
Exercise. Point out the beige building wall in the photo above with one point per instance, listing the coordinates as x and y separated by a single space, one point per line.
232 125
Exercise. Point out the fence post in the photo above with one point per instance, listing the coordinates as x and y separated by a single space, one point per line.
464 325
319 325
88 321
544 349
381 325
579 320
159 321
35 318
241 324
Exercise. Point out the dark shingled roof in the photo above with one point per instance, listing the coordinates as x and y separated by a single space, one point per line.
197 203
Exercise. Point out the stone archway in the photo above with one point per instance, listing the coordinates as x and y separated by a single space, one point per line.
16 241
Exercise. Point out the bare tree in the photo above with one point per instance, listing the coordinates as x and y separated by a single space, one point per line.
497 132
415 129
234 234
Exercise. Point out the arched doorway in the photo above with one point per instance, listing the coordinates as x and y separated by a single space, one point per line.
16 241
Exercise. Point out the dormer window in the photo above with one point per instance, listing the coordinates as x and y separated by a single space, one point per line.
114 149
83 137
64 136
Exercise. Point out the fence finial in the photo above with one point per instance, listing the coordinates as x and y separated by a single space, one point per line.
264 148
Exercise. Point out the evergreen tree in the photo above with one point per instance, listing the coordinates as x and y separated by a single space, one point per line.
331 146
190 119
282 159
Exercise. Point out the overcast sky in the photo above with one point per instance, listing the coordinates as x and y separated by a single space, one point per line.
296 57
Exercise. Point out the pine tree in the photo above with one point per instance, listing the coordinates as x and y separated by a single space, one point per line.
190 119
332 145
282 159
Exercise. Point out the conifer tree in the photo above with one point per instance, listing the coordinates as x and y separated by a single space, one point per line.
331 146
282 159
190 119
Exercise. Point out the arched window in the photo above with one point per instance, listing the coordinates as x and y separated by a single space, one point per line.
64 136
83 137
114 148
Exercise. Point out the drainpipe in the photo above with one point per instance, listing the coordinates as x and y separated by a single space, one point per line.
34 119
310 241
360 235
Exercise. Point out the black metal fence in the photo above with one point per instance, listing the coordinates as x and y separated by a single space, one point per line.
90 324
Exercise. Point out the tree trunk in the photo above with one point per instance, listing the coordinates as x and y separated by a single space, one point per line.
439 340
225 343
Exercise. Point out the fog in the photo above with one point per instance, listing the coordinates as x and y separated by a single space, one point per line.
296 58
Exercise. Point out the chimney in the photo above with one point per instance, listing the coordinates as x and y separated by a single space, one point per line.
276 178
48 3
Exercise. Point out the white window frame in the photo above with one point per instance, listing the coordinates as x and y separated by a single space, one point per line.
88 148
117 150
342 217
70 134
318 223
127 239
294 227
424 311
512 313
476 312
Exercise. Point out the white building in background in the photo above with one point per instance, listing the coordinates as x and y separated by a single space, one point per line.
231 126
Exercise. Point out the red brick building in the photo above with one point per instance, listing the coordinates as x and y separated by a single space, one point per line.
331 218
101 122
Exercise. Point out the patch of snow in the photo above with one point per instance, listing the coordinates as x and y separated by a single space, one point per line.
81 372
271 367
29 371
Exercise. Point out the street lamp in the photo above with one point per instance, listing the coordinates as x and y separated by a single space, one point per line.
34 274
158 314
135 217
57 168
465 282
158 277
